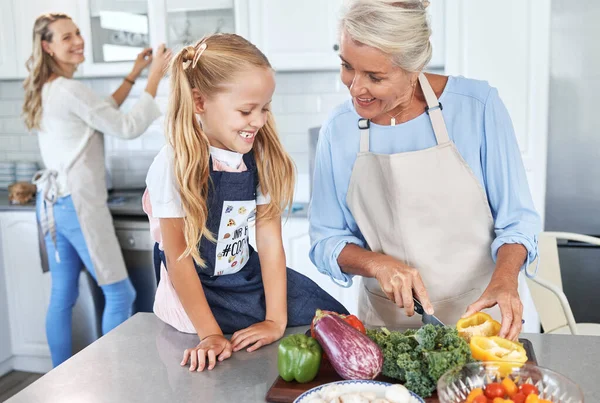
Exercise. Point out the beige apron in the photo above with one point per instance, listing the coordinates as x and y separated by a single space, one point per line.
427 209
86 182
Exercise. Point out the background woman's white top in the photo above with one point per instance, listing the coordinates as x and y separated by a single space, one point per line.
71 110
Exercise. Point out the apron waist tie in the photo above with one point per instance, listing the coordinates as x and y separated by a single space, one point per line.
45 181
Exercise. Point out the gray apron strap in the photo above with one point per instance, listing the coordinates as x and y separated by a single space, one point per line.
363 125
45 181
434 110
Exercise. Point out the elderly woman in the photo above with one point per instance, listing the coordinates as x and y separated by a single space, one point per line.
419 184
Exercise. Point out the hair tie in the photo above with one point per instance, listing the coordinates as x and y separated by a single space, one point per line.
199 52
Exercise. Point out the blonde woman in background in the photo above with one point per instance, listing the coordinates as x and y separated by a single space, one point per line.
223 168
431 196
72 199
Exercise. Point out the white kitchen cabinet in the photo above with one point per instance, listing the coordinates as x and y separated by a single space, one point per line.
5 342
115 31
28 289
8 62
298 35
304 35
437 16
24 15
183 22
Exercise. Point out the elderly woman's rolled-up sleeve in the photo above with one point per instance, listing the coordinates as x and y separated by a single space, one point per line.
329 230
515 218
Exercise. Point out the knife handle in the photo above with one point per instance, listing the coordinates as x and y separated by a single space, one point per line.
418 307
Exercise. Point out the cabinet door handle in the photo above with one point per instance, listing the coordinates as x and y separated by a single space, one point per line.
131 241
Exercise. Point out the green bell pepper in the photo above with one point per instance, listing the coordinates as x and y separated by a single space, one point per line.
299 358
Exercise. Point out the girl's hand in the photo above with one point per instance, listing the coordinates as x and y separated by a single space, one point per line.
259 334
210 347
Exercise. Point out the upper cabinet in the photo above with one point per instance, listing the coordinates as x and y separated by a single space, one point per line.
294 35
183 22
437 18
304 35
115 31
24 15
297 35
8 62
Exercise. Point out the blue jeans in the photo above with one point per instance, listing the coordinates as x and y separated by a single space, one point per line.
73 254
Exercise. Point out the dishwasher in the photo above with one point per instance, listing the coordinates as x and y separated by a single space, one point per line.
138 251
133 233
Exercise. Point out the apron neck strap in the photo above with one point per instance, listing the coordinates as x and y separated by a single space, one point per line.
434 110
363 125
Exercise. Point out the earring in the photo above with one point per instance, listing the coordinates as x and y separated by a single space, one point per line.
51 54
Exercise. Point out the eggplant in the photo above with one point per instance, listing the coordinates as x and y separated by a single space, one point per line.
352 354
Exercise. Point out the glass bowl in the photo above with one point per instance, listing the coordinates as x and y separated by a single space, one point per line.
454 386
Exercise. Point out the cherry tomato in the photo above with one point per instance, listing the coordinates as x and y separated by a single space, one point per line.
509 385
495 389
473 394
519 398
480 399
528 389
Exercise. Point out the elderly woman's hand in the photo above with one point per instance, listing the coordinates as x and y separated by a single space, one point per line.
398 281
502 290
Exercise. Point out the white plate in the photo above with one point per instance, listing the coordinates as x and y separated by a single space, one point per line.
354 386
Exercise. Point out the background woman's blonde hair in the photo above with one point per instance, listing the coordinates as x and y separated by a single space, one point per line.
40 66
397 28
224 56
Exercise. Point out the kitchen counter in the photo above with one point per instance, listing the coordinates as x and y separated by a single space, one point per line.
127 203
6 206
139 362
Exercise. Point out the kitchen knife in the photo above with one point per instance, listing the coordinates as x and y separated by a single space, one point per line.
426 318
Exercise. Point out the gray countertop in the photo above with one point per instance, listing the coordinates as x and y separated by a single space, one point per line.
126 203
139 362
6 206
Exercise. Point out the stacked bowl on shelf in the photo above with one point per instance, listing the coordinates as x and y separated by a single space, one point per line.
20 171
7 174
24 170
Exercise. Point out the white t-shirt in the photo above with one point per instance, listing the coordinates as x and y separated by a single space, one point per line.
162 185
72 112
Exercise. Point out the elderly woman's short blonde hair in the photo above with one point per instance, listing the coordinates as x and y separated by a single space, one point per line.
397 28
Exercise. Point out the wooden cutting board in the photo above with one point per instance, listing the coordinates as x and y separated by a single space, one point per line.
286 392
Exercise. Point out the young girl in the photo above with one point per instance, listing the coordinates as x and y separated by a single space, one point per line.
224 167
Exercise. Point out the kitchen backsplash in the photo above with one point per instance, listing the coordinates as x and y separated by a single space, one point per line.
302 100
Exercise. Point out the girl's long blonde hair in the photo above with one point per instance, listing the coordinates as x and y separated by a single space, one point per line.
40 66
224 56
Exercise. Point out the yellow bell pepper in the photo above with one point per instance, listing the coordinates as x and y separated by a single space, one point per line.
496 348
478 324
